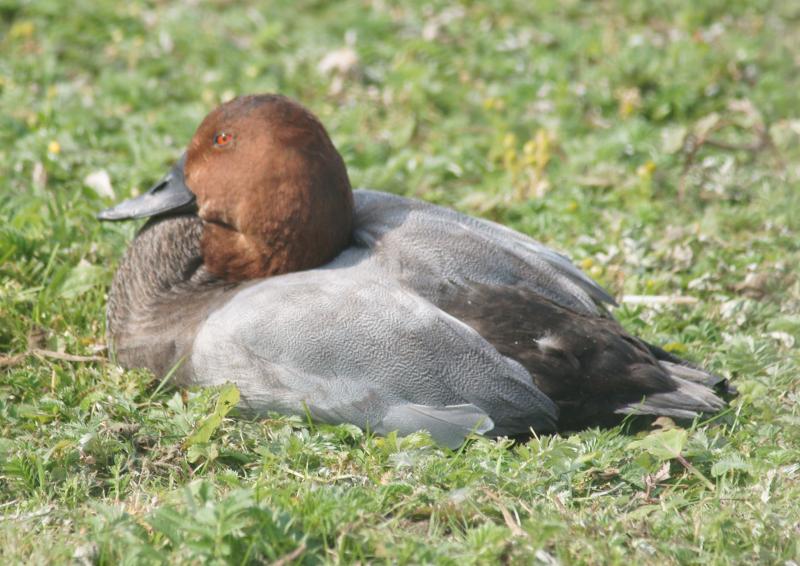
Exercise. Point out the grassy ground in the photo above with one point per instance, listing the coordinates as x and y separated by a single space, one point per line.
654 141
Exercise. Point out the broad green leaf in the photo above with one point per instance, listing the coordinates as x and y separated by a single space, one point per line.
664 445
729 463
227 400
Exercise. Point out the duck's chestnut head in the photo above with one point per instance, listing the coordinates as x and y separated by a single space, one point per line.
267 181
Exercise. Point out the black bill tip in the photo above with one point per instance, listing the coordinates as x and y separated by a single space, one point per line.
169 196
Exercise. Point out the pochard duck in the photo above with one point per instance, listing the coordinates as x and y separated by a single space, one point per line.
261 267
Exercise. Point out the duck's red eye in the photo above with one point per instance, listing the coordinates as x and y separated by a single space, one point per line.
222 138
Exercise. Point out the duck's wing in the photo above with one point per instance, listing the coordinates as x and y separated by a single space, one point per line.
533 306
349 346
588 365
437 251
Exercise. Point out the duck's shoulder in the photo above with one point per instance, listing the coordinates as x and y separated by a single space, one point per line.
429 244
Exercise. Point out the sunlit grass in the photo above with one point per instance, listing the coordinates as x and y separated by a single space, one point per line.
654 142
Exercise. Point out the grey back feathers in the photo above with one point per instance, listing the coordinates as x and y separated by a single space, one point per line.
429 247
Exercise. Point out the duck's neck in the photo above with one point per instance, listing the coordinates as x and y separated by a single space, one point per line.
160 295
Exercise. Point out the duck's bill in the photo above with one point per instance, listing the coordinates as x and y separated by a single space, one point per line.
169 196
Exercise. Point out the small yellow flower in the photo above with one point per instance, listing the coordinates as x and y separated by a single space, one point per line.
537 151
54 147
509 158
493 103
23 29
529 148
587 263
629 100
509 140
646 169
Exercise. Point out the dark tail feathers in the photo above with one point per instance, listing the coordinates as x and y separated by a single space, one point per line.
696 392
